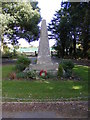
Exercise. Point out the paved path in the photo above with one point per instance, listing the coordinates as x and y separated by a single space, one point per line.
30 114
73 109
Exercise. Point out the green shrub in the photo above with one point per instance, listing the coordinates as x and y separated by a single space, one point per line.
22 63
31 74
51 75
60 71
68 73
21 75
26 75
67 66
7 55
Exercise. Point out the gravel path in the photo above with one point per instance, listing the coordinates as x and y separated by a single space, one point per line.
72 109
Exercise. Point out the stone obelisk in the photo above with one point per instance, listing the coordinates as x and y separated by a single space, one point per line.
44 49
44 59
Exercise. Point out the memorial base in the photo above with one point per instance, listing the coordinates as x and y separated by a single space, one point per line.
53 68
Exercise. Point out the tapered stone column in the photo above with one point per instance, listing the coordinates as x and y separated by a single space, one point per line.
44 50
44 59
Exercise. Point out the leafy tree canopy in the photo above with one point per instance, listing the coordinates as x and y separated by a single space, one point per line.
70 26
20 20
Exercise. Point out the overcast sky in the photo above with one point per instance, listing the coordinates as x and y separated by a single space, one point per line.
48 8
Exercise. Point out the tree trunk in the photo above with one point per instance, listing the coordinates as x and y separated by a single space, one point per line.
63 51
74 47
85 44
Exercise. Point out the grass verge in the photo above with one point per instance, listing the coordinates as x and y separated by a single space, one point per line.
44 89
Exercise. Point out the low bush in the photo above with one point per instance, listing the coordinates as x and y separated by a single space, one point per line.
21 75
7 55
60 71
22 63
26 75
32 74
67 65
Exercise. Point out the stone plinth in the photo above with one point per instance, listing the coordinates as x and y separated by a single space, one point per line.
48 67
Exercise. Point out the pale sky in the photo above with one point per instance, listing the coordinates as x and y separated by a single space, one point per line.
48 8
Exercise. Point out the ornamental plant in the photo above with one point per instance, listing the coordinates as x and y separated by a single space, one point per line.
31 74
67 66
22 62
60 71
21 75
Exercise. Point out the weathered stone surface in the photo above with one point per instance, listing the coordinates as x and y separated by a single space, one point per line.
44 50
44 67
44 59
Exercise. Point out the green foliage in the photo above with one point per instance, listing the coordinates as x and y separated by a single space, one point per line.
6 52
27 75
82 72
22 63
42 90
10 55
21 75
71 28
60 71
67 65
51 75
20 20
68 73
31 74
7 55
6 70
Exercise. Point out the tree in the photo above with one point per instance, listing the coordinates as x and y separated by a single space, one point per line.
86 29
80 15
20 20
60 30
70 26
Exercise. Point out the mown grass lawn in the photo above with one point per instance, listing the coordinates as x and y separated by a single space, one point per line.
6 70
81 71
44 89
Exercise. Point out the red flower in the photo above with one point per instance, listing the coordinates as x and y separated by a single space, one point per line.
43 73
